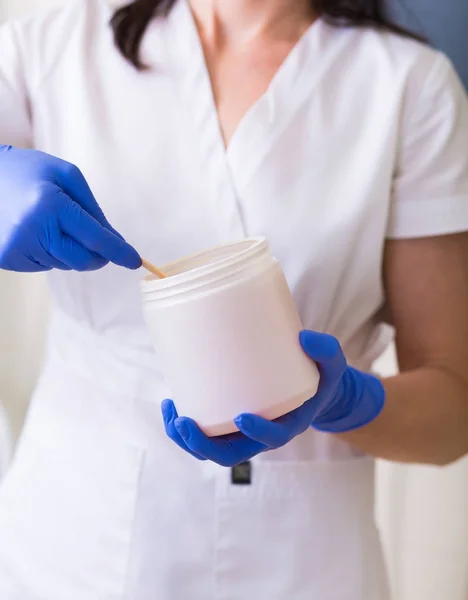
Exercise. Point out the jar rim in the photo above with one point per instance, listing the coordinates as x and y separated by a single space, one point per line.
205 264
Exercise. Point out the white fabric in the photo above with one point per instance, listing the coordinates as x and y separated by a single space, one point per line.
429 188
293 172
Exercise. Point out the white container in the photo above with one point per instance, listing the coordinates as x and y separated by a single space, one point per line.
226 332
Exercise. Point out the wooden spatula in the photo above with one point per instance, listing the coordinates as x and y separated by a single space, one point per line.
152 269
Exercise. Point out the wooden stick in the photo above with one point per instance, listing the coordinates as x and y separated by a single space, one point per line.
152 269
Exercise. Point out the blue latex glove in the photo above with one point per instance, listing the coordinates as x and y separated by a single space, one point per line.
50 219
346 399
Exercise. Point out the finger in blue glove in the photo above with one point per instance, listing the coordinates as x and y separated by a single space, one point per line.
169 414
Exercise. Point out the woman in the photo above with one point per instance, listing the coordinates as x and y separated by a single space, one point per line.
315 124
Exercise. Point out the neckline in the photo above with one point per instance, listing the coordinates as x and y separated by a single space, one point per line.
284 77
229 170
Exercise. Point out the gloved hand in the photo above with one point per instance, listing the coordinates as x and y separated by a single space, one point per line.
50 219
346 399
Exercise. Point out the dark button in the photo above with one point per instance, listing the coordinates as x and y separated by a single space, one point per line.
242 474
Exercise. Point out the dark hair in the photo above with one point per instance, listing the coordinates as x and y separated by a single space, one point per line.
130 22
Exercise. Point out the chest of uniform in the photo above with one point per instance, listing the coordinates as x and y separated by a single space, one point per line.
156 160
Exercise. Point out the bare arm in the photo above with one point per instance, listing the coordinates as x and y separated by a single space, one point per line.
425 419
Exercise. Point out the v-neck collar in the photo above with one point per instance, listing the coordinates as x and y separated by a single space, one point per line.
231 168
190 75
266 106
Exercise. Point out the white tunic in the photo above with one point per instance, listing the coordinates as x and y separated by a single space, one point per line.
360 137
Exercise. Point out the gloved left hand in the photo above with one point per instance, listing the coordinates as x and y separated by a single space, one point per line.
346 399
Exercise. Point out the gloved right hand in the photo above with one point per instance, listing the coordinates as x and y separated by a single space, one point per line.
49 218
347 399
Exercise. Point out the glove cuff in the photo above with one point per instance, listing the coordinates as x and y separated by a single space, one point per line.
359 399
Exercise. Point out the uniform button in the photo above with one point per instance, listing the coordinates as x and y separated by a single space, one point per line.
242 474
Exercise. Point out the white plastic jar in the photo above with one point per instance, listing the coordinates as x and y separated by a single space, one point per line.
226 332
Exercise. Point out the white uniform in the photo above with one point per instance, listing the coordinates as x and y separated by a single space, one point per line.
361 136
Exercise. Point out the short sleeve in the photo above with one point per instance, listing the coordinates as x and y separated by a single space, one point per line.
15 121
430 187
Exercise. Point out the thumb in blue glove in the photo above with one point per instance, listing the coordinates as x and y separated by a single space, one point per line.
346 399
49 218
